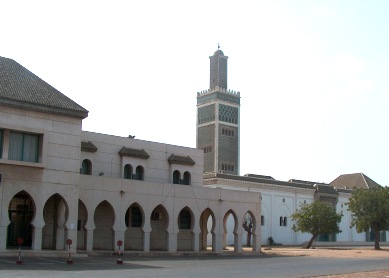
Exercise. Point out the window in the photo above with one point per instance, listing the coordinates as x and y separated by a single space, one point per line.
139 173
228 167
207 149
86 167
185 219
228 132
283 221
23 146
262 220
186 180
136 217
127 171
156 215
176 177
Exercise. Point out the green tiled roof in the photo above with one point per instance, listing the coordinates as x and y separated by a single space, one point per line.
133 153
177 159
88 147
21 88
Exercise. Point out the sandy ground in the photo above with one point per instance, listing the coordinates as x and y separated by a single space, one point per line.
363 252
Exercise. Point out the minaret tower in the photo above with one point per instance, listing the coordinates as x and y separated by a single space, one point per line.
218 116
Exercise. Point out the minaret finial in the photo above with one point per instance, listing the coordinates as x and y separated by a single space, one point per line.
218 46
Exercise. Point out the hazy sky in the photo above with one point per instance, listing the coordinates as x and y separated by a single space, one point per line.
313 75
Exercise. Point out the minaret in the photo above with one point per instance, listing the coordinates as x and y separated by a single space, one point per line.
218 116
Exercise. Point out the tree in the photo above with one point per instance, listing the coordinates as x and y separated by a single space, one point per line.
316 218
248 227
370 211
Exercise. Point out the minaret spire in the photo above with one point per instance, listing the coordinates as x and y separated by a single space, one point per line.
218 120
218 70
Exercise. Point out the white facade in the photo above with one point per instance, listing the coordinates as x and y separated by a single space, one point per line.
279 200
95 211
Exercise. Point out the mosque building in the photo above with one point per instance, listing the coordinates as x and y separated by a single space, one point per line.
58 182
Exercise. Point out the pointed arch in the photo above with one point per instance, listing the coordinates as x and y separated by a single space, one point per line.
82 219
230 224
249 225
134 235
207 230
103 234
21 212
55 216
159 221
185 236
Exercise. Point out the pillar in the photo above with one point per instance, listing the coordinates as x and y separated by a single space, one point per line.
37 239
119 235
3 238
172 242
196 241
146 241
89 240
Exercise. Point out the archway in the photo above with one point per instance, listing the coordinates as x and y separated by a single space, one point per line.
134 236
185 236
81 222
207 230
21 211
249 227
159 221
103 234
55 215
230 231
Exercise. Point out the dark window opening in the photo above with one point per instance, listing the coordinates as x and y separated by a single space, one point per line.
127 171
136 217
176 177
86 167
186 180
185 219
139 173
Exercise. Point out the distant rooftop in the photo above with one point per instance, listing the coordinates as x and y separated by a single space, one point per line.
356 180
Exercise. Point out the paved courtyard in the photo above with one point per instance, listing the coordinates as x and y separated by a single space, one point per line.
278 262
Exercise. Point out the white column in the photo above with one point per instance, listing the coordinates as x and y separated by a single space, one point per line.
119 235
238 242
89 240
3 238
196 241
146 241
172 242
37 239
